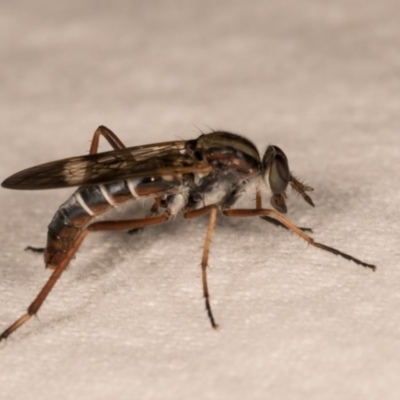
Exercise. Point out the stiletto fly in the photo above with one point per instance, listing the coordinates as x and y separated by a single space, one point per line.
206 175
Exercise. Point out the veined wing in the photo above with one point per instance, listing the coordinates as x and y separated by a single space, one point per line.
167 158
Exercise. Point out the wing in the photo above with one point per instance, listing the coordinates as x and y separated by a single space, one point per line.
168 158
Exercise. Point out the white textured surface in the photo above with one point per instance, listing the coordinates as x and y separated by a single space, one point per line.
127 320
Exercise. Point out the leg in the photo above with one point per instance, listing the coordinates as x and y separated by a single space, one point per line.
34 307
97 226
114 142
272 220
301 189
158 202
206 251
109 135
153 212
277 223
128 224
295 229
35 249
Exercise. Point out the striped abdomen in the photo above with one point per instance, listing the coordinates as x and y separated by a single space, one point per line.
89 202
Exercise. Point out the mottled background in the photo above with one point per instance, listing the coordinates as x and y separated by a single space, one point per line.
127 320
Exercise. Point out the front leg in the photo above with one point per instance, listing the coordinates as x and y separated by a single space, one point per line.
278 223
272 220
265 212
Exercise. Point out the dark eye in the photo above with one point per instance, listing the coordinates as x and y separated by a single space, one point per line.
276 169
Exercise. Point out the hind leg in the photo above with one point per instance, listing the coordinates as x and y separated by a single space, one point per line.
69 254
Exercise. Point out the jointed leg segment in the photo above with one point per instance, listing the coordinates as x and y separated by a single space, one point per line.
272 220
97 226
275 215
34 307
206 251
109 135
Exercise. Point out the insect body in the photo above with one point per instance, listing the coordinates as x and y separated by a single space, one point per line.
195 177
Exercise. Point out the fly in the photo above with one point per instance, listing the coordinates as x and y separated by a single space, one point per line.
206 175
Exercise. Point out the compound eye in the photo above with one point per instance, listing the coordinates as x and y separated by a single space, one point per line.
277 168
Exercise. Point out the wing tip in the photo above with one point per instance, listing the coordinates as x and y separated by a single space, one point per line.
11 184
8 183
18 182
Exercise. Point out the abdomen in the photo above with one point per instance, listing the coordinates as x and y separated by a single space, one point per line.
90 202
